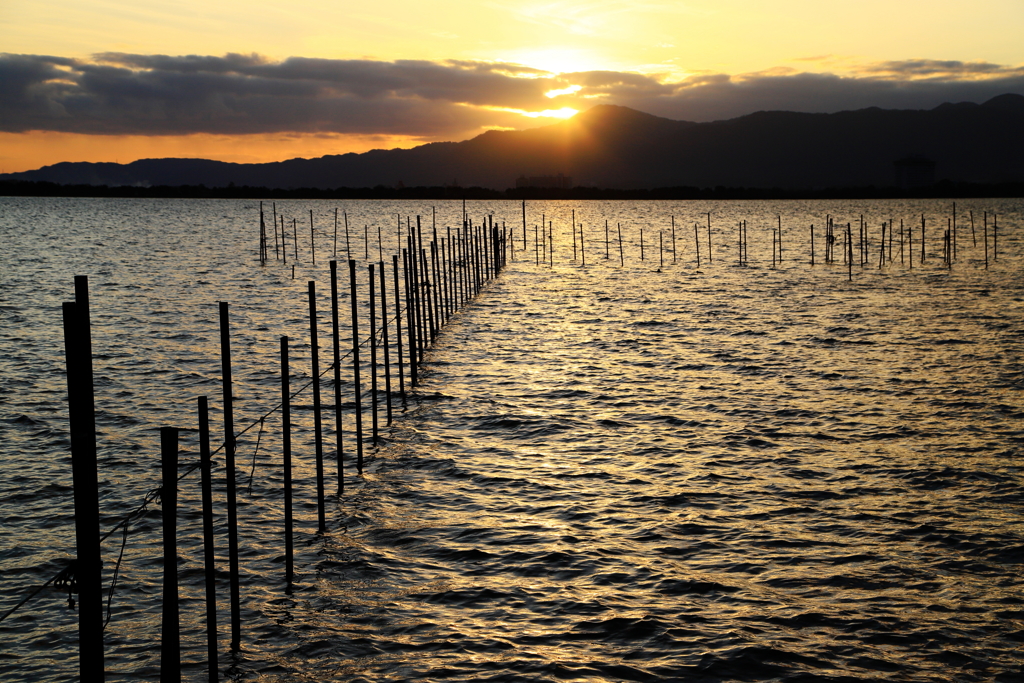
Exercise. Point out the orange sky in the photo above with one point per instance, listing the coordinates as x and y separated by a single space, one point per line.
347 87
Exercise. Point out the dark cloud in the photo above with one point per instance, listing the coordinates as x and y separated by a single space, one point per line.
707 98
938 68
116 93
159 94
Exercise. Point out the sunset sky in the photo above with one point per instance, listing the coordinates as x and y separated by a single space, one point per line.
119 80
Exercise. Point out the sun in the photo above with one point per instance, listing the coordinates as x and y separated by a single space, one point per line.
559 60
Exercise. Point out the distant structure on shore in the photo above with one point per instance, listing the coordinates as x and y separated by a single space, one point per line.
914 171
559 182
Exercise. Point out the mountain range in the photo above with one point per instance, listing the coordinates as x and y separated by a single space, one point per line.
610 146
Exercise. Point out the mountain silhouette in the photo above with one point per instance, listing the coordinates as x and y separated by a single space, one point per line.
616 147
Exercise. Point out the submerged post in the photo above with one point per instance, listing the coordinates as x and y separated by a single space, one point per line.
82 419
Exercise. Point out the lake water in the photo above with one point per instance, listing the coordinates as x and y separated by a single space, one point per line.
645 471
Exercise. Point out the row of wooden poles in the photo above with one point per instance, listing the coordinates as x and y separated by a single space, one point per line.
281 235
429 284
892 243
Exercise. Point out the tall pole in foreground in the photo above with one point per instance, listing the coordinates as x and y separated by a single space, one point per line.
170 631
82 418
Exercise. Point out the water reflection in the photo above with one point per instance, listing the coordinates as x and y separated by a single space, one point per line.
608 473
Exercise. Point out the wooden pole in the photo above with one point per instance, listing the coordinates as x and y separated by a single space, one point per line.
277 250
357 386
229 467
312 238
318 430
910 247
384 340
780 239
696 242
263 238
881 249
902 239
82 427
923 255
295 238
209 559
398 326
170 633
710 255
336 344
673 240
524 225
574 234
551 246
995 237
410 316
985 239
953 236
427 299
371 283
849 253
348 238
286 453
622 258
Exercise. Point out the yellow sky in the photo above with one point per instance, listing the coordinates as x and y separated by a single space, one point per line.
671 40
732 36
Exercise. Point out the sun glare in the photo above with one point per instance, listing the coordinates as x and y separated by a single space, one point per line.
558 60
563 113
572 89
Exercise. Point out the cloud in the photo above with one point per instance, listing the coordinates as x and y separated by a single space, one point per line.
918 84
166 95
129 94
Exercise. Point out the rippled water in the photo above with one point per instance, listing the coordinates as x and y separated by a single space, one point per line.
607 473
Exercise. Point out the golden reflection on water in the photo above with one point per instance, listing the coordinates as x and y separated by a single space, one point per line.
607 467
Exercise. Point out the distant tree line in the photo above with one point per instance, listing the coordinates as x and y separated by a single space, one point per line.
942 190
